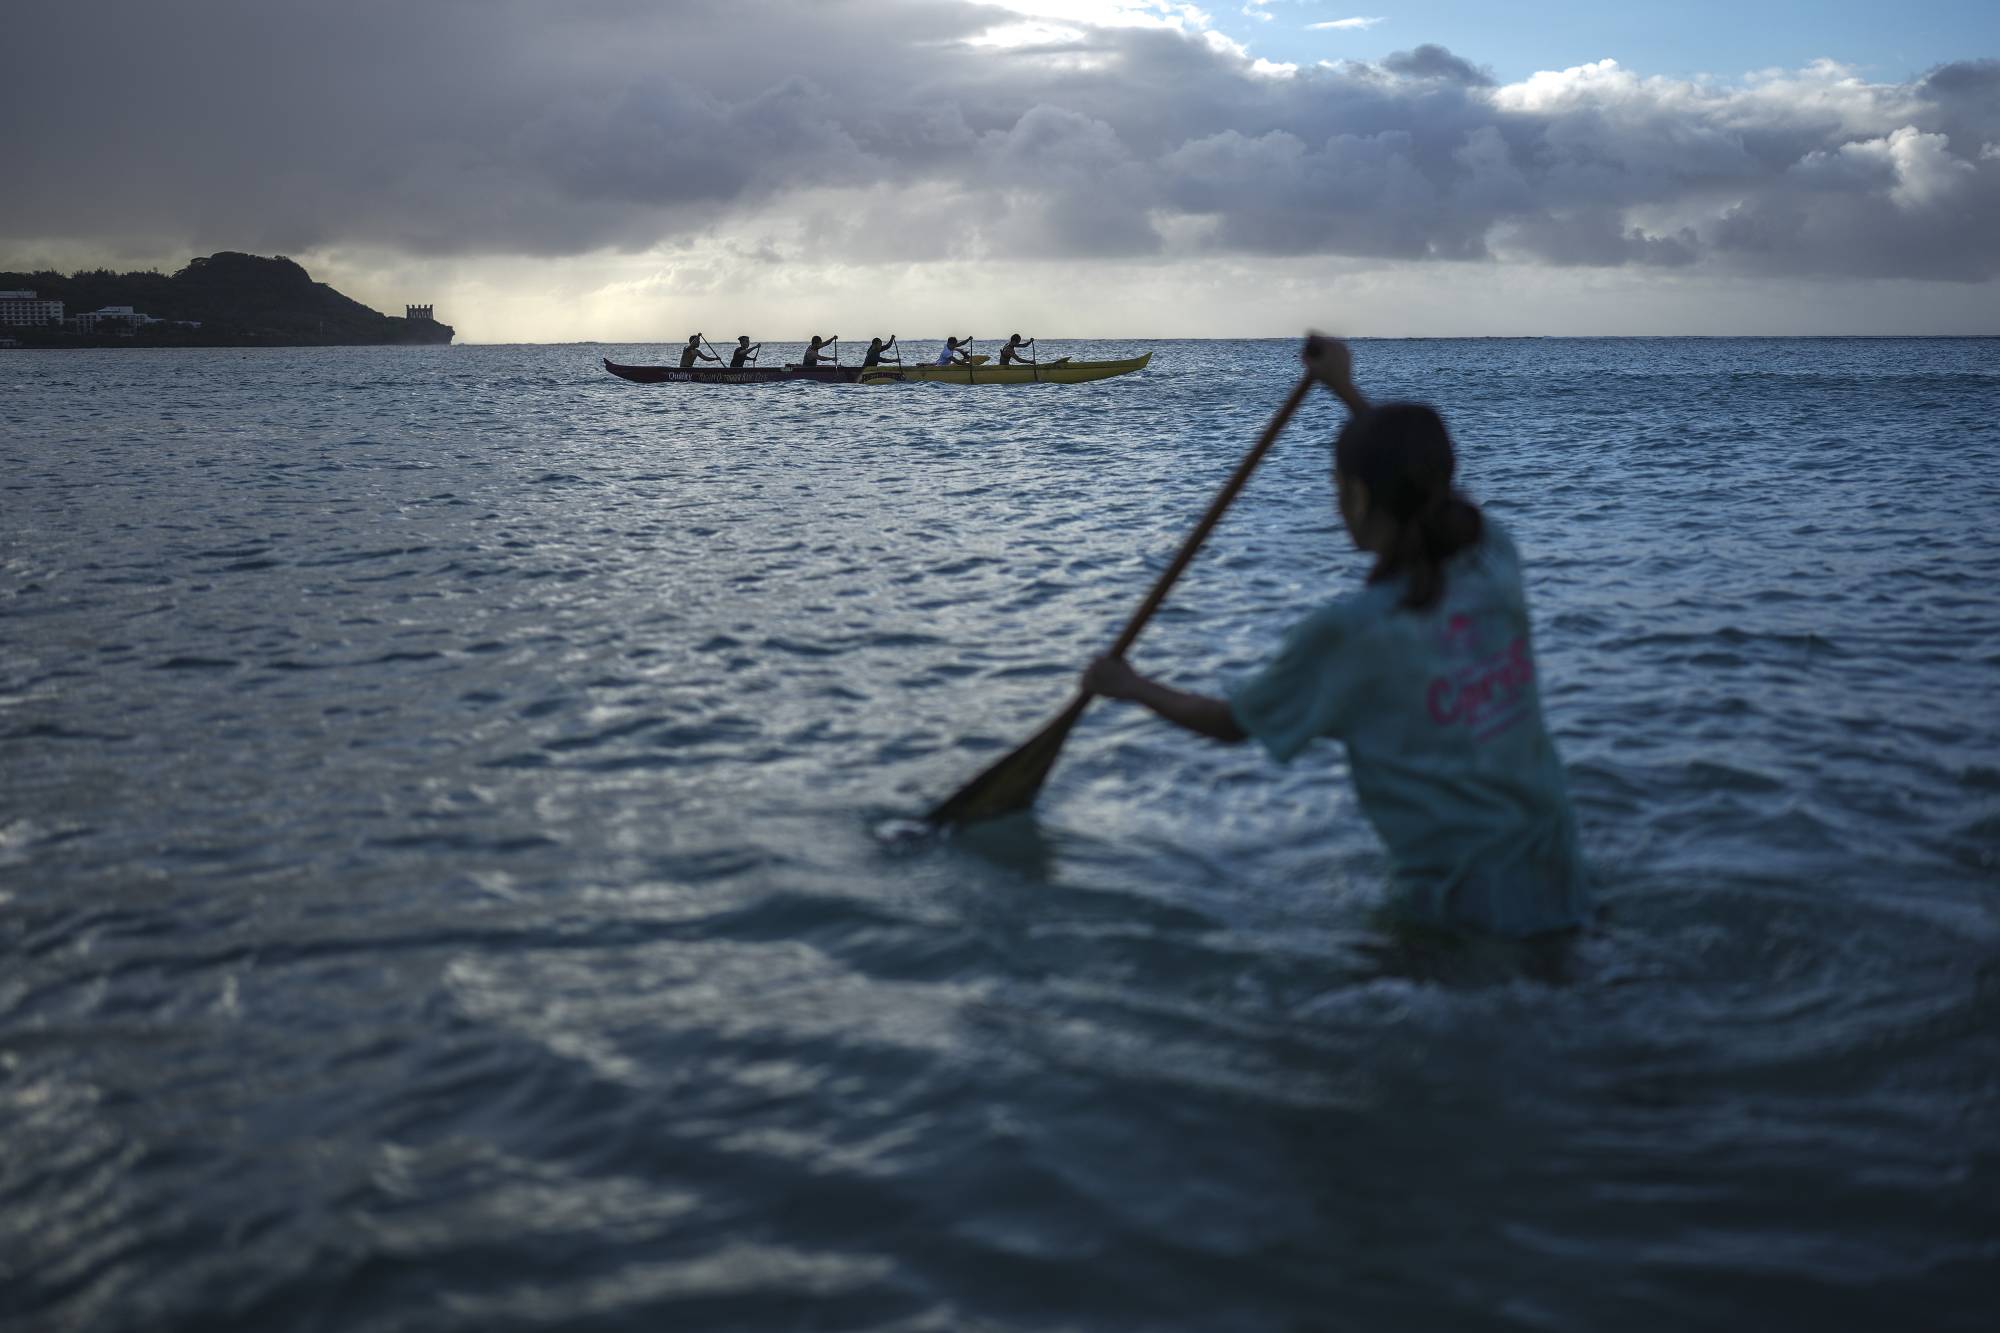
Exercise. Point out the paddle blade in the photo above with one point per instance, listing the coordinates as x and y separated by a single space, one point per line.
1011 783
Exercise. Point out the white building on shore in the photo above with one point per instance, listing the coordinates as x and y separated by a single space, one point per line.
111 318
24 310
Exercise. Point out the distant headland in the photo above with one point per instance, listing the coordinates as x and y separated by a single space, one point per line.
226 300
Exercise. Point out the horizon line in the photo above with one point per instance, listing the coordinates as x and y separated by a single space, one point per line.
1252 337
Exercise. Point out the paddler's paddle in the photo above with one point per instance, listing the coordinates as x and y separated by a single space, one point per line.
1011 783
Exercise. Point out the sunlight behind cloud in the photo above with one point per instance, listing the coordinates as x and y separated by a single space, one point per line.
1074 16
662 297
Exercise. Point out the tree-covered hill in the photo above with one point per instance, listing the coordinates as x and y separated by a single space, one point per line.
238 299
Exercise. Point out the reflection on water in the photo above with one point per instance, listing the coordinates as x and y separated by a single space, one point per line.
454 854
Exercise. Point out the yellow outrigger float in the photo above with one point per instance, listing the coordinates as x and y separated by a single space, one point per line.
982 371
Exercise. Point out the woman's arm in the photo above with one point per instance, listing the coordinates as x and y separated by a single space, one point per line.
1114 678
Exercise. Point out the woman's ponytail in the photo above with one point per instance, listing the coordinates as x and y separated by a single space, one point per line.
1402 453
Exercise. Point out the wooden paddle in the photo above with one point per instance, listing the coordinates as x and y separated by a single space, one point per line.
1011 783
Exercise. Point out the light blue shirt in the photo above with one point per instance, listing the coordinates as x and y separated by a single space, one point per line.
1443 726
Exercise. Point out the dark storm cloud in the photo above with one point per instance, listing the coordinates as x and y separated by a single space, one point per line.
523 127
1434 62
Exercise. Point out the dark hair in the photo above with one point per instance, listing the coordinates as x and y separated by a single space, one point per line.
1402 453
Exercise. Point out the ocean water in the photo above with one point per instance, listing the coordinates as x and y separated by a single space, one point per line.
450 869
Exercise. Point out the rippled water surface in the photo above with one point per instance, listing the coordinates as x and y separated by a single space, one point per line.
445 879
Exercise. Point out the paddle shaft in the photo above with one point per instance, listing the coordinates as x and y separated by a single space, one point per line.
1216 507
1010 782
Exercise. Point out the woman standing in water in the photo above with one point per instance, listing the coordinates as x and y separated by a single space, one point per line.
1426 674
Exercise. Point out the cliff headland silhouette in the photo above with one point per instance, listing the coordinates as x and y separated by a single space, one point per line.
228 299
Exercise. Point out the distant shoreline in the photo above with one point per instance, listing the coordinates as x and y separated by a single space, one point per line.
139 342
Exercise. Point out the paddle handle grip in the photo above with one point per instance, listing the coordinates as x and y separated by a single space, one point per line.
1216 508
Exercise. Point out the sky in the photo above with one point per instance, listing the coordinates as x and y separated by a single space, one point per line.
633 170
1720 38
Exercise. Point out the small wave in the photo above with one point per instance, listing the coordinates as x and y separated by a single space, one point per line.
193 663
52 731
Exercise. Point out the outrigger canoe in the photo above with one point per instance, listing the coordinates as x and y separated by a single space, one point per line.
743 375
1064 371
791 374
977 371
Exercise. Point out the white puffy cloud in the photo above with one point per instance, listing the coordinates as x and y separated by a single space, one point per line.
1915 169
